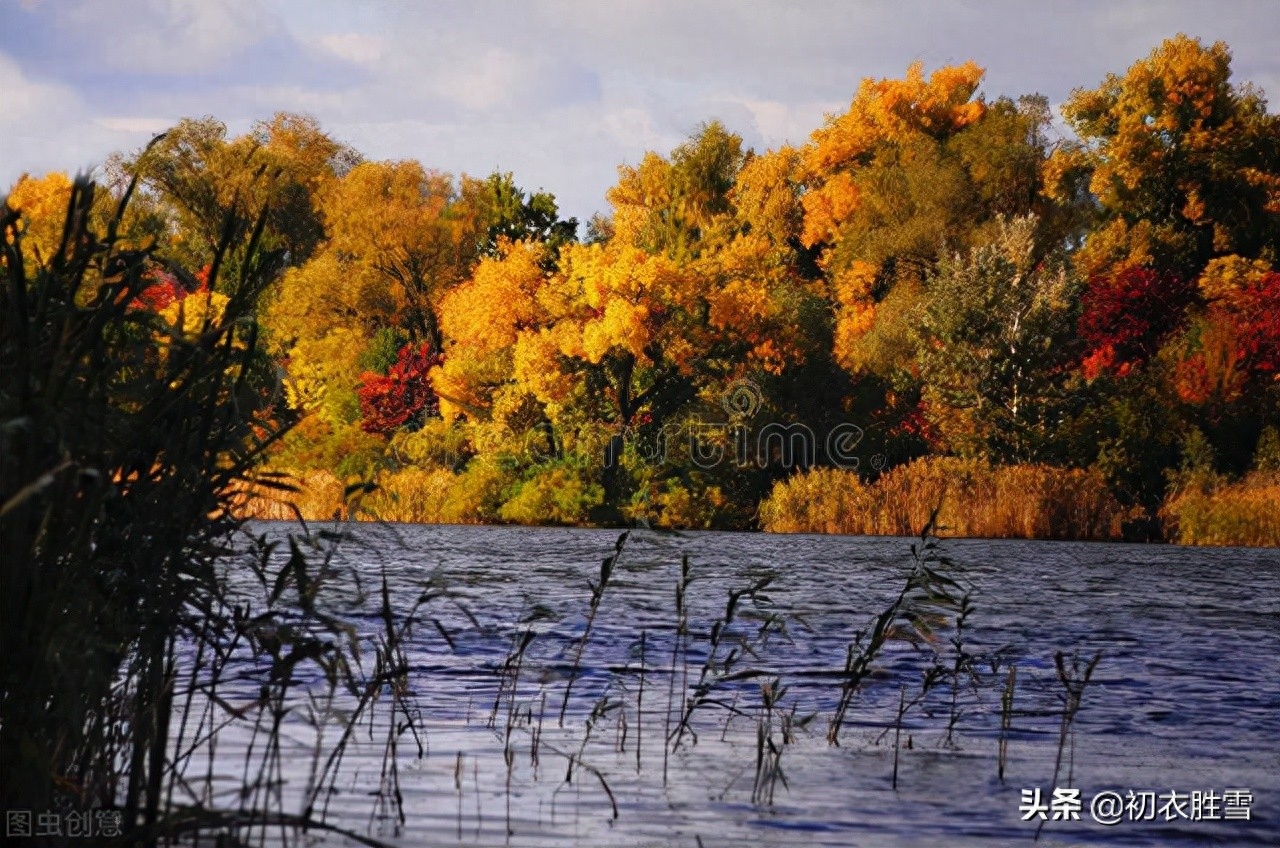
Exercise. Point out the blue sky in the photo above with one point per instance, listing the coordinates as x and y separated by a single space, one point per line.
558 91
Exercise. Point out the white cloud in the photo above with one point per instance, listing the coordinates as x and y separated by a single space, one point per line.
173 36
354 47
33 121
780 123
135 125
26 101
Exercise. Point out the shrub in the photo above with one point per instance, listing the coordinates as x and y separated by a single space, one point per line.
123 441
435 495
555 495
403 396
412 494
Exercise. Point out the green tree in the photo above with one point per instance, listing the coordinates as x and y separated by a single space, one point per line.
196 176
515 215
996 346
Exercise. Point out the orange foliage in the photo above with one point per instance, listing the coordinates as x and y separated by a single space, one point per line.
43 204
882 111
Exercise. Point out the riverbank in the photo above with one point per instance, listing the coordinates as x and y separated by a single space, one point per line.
977 501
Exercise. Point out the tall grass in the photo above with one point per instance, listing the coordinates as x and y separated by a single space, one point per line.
315 496
1014 501
129 598
1243 513
120 438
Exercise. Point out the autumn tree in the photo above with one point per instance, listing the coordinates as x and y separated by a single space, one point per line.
198 176
403 396
1225 365
671 204
1128 315
629 334
416 229
997 346
1184 168
1184 165
482 320
915 169
696 283
41 203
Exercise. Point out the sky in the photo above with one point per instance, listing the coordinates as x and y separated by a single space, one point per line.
559 92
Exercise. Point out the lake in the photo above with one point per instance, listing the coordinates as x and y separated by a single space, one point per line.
1184 703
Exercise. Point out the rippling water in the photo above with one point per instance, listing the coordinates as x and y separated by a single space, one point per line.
1185 698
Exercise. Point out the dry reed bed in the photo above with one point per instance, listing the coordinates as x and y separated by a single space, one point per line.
1242 513
1013 501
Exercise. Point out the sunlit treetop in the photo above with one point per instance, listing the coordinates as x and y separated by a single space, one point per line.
1184 165
43 204
676 205
197 176
882 111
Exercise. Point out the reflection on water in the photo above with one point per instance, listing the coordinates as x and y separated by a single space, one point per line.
1186 697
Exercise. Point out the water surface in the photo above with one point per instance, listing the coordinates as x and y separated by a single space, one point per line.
1185 698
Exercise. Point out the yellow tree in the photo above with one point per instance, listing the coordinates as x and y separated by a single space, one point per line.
695 287
197 176
481 320
320 325
915 168
413 228
675 205
1184 165
884 114
42 203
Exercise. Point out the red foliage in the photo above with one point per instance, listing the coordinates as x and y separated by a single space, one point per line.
1239 341
165 289
1256 311
915 424
1127 315
405 393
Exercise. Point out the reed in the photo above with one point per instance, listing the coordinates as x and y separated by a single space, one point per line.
924 594
1246 512
678 641
963 666
121 439
1014 501
1074 680
1006 720
128 445
717 671
768 751
597 593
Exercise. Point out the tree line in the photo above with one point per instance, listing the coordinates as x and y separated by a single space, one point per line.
943 271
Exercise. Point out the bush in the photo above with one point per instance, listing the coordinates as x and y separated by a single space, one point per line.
434 495
412 494
556 495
